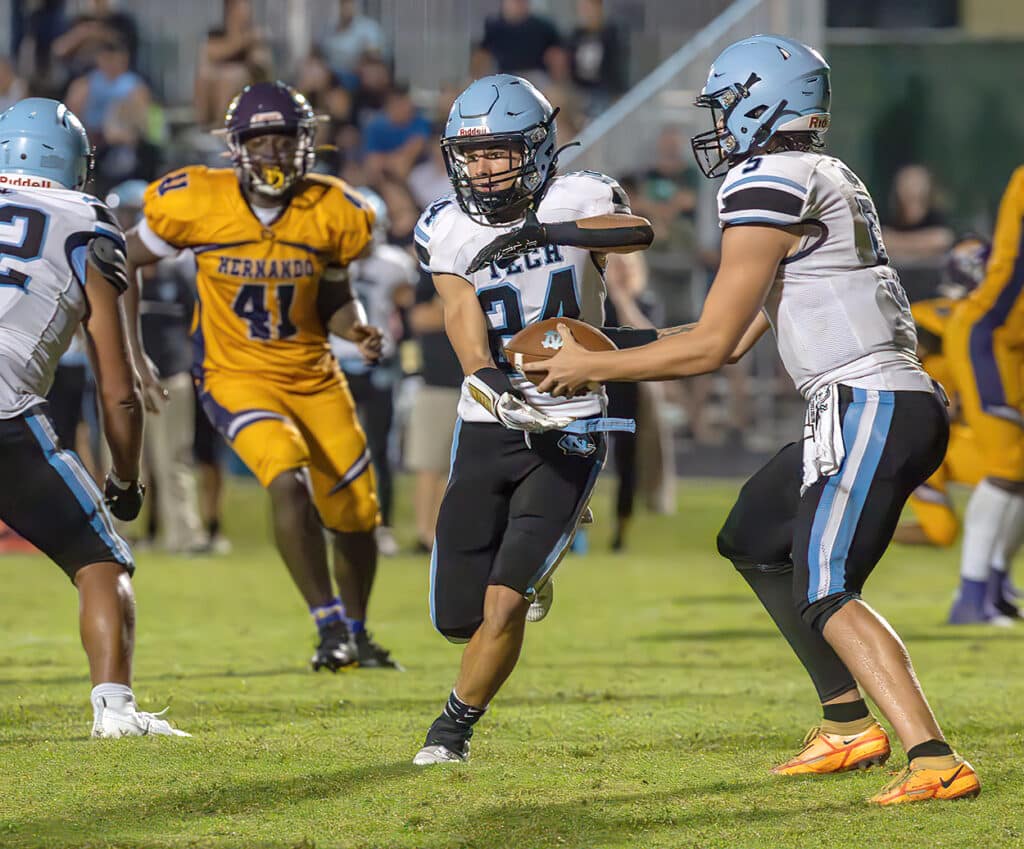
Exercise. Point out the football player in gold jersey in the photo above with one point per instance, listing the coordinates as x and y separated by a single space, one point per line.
272 243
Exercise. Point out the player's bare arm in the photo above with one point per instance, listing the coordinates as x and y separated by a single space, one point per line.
614 232
344 316
120 399
139 256
750 257
464 322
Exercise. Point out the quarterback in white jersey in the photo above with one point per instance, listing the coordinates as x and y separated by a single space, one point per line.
62 267
513 245
802 252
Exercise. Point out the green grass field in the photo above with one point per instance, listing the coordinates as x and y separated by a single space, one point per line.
646 711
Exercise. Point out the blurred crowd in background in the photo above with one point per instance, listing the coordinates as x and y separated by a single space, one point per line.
382 134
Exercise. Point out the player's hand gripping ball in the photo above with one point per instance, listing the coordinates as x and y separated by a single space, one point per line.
541 341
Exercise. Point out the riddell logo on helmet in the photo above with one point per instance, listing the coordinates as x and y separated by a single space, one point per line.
24 181
473 131
818 122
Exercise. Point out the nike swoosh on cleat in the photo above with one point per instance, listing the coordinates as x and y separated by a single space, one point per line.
952 778
851 740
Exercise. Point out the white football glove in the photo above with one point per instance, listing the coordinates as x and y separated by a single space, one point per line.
514 413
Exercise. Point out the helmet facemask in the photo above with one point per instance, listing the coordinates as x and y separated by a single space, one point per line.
503 195
714 149
272 174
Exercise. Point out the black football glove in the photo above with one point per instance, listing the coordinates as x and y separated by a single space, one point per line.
123 499
503 250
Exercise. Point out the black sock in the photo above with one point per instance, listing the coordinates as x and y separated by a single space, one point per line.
845 711
929 749
213 527
455 724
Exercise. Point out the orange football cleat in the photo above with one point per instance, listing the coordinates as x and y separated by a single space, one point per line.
931 778
824 753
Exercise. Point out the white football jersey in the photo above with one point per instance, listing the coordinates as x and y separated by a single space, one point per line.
44 238
374 281
543 283
838 310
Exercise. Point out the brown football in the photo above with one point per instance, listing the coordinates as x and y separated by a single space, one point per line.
541 341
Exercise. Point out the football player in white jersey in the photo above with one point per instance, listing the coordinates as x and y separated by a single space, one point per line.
377 280
515 244
802 252
62 266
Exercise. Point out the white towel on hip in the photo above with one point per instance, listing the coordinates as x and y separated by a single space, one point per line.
823 437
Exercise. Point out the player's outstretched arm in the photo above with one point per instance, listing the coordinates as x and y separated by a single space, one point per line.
120 399
750 258
613 232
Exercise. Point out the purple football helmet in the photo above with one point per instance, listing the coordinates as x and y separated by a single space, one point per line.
965 266
271 109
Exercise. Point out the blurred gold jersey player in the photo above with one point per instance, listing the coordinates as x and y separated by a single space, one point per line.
272 243
984 343
936 519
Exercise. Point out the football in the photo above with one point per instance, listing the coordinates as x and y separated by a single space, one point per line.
541 341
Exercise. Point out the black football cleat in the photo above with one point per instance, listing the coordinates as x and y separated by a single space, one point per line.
336 650
371 655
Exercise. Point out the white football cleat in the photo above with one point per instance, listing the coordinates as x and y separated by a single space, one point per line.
387 545
542 602
126 720
440 754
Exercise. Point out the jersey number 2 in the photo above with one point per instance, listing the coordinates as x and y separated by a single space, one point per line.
502 304
251 305
28 248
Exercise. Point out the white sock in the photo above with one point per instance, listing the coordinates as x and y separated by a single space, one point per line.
983 521
1011 535
116 696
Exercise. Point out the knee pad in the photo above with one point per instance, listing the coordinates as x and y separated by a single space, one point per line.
817 613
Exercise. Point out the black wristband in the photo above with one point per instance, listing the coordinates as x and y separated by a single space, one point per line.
495 378
630 337
568 233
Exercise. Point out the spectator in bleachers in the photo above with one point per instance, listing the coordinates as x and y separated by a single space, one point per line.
108 89
233 56
315 78
666 192
597 52
403 211
114 102
372 89
356 36
558 87
396 139
429 179
519 40
12 87
916 228
34 28
99 24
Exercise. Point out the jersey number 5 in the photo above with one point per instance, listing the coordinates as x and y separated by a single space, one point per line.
27 248
251 305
